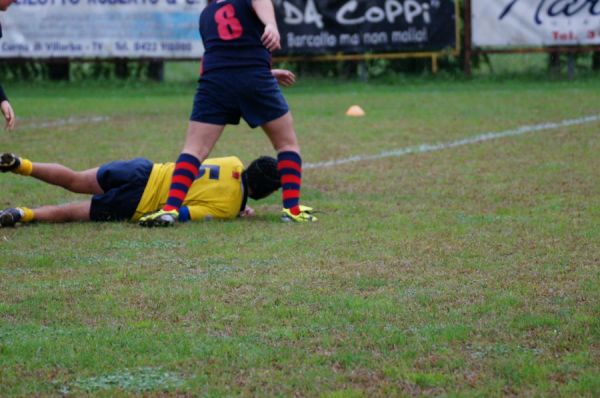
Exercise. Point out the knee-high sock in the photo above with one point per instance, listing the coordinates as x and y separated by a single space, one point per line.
186 171
27 214
25 168
289 165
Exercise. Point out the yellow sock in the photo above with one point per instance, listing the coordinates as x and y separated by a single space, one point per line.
25 168
27 213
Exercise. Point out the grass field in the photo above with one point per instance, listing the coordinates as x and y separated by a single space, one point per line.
471 271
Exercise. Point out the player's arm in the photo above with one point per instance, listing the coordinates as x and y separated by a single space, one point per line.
284 77
7 110
266 13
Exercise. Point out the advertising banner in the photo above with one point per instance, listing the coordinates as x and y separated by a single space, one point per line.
535 23
311 27
102 29
169 28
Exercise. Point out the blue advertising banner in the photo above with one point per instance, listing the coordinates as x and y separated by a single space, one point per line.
102 29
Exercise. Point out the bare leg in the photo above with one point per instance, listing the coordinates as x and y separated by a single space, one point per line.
77 211
201 138
62 176
282 134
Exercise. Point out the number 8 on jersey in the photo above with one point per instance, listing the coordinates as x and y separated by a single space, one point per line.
228 26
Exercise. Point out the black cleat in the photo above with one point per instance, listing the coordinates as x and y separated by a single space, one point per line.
9 162
9 217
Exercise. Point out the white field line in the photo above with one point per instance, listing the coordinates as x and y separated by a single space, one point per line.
452 144
63 122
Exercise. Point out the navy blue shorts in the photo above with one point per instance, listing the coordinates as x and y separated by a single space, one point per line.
123 183
223 96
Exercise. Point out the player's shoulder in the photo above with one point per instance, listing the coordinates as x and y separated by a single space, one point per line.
236 2
241 3
226 160
247 2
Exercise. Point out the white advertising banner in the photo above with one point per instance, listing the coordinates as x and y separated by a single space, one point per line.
535 23
102 29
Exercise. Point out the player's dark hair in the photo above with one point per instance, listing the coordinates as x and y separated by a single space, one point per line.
262 177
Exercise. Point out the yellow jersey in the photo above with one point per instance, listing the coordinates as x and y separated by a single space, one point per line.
216 193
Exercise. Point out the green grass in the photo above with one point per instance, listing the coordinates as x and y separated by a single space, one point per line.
470 272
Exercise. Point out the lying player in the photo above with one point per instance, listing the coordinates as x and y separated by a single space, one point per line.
126 190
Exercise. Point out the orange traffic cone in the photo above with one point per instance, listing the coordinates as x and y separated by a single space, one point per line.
355 110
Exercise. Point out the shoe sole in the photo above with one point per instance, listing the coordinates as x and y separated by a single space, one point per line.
8 162
157 223
286 218
7 220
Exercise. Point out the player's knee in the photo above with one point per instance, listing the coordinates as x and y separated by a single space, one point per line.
287 148
77 182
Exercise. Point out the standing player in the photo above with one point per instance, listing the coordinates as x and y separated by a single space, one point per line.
5 107
7 110
236 81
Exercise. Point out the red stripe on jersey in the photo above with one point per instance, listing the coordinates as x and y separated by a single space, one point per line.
288 164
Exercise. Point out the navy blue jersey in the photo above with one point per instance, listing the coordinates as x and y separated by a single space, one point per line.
231 33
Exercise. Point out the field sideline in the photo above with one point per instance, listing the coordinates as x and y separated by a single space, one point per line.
457 252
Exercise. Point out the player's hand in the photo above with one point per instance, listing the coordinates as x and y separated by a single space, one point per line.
247 212
9 115
284 77
270 38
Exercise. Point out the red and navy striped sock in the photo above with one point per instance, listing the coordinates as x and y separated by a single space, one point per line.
289 165
186 171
